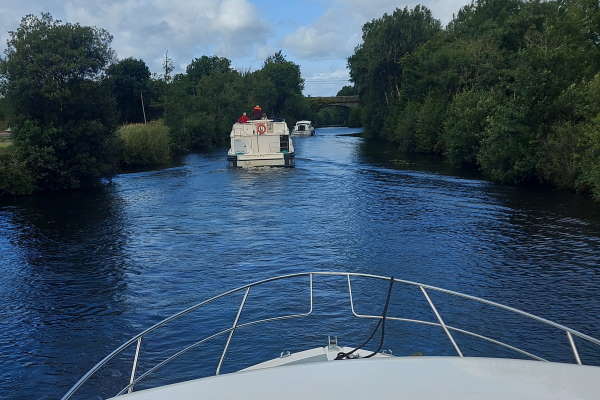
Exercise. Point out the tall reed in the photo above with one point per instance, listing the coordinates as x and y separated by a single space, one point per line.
145 145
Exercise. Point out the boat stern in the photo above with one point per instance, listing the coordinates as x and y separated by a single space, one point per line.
261 160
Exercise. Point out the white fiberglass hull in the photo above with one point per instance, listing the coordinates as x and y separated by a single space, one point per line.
310 132
425 378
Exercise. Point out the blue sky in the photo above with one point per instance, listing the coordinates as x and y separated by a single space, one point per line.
317 34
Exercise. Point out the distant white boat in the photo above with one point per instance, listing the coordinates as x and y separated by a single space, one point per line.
356 373
304 128
261 143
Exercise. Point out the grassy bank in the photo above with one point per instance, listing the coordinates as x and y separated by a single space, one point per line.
144 145
137 146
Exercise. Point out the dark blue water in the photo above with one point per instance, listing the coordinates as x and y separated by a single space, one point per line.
82 272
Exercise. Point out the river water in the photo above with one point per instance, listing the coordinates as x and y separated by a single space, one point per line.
83 272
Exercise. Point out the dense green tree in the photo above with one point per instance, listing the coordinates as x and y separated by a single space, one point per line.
15 177
355 119
278 86
332 116
571 151
507 86
202 104
129 81
465 124
347 91
3 112
63 114
200 114
375 66
203 66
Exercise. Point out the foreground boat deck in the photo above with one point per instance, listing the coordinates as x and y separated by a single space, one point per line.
395 378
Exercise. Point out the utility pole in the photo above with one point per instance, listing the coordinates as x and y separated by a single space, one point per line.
143 109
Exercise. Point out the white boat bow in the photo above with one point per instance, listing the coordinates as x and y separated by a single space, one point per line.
335 372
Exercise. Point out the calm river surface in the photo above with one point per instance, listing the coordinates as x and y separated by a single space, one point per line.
83 272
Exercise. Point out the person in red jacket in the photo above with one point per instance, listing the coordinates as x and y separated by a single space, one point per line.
257 113
243 119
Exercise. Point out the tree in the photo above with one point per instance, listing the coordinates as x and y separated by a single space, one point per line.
63 114
202 104
200 67
376 68
508 87
278 82
347 91
129 80
168 68
3 113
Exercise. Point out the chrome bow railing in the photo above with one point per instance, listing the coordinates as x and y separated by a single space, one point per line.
424 289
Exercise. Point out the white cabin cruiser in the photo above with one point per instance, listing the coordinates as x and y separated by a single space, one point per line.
261 143
354 373
304 128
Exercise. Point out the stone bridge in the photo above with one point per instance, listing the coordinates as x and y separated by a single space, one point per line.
337 101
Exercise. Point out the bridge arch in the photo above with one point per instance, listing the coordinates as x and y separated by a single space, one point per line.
319 103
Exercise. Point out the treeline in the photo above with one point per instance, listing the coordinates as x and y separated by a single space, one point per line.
201 104
510 87
65 96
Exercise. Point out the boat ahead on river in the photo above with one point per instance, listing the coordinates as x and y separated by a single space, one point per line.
261 143
363 370
304 128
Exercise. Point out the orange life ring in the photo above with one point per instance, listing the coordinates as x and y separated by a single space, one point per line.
261 128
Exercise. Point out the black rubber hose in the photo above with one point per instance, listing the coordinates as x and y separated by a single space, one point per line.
381 322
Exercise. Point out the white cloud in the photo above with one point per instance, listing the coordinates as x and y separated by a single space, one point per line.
339 30
146 28
338 74
313 42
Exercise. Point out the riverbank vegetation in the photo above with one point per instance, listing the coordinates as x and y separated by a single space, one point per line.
65 114
509 87
201 104
144 145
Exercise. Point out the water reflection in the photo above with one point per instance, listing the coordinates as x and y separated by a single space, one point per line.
63 267
516 244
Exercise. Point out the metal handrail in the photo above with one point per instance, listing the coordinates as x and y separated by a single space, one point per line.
236 325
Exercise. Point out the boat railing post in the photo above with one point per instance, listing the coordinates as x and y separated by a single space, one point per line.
233 327
310 285
138 346
574 348
351 297
439 317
